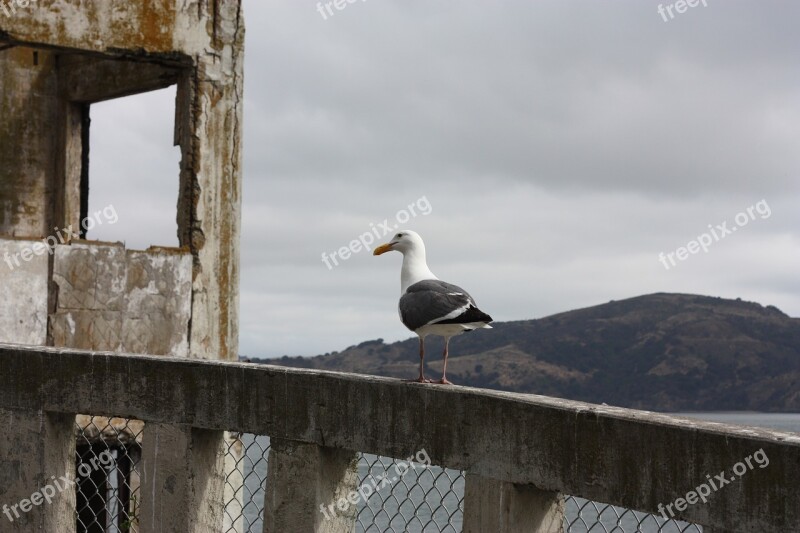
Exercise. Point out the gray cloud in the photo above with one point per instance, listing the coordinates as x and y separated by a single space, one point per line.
561 145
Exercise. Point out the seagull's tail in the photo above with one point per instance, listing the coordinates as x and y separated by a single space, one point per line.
476 325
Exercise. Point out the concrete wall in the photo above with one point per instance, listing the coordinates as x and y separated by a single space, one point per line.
630 458
59 56
165 28
28 106
113 299
26 469
23 293
40 143
106 297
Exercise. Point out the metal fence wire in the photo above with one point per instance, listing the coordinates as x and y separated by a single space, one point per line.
108 453
426 500
250 475
398 498
403 497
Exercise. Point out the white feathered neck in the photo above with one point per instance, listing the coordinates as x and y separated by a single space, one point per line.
415 268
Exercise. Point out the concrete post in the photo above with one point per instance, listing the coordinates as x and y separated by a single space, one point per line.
186 493
209 111
31 133
37 471
305 479
492 505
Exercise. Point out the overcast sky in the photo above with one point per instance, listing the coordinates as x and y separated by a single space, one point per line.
557 148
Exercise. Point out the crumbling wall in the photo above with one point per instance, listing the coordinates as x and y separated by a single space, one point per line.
23 294
200 44
118 300
28 109
57 57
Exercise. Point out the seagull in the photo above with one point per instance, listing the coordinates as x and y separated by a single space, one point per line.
429 306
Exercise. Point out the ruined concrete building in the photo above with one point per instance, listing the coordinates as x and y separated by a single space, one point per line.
57 58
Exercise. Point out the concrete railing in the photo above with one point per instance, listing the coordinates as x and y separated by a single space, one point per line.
520 452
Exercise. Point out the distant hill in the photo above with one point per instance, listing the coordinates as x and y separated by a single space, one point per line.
665 352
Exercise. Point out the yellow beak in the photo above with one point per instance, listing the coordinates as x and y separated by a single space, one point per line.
382 249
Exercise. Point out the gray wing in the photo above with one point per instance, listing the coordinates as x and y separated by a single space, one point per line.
438 302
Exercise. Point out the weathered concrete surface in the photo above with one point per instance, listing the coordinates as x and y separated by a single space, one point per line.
634 459
57 58
493 505
303 478
39 452
114 299
112 431
28 107
89 79
184 494
23 292
155 27
209 131
130 47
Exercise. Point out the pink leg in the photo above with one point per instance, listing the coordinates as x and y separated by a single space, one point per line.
421 378
444 381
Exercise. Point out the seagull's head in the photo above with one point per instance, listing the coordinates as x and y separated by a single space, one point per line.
403 241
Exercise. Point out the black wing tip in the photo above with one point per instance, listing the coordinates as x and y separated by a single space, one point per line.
472 315
482 317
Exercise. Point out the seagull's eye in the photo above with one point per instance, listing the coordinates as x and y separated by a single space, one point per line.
398 235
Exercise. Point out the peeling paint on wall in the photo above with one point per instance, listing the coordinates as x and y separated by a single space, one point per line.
113 299
197 44
55 61
23 295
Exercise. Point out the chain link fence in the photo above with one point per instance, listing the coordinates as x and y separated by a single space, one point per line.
409 498
582 516
401 499
251 466
427 500
108 454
